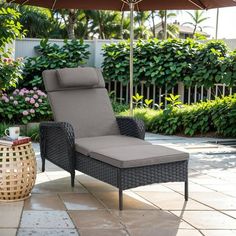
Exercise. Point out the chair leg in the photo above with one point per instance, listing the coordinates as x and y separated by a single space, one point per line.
43 164
120 199
186 190
72 174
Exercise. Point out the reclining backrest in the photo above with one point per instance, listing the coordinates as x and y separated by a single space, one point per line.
78 96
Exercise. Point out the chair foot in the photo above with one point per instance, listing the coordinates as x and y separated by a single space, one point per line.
186 190
72 179
43 164
120 199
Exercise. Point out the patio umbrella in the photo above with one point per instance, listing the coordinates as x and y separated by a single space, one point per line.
129 5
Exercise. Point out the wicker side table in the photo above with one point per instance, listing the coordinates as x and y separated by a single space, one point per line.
17 172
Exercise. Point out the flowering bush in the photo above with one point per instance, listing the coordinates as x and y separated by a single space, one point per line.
10 72
24 106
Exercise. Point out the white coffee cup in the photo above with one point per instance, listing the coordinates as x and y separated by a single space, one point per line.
13 132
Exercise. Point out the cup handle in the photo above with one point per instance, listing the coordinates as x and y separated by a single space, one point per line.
7 130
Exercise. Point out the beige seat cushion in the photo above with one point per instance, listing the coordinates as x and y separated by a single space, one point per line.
138 155
94 144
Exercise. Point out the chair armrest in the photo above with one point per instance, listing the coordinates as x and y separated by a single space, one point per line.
131 127
57 144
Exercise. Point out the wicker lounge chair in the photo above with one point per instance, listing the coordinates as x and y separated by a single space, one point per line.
86 136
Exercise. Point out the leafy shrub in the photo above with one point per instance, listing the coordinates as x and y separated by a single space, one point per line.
33 133
166 123
164 63
224 115
196 119
217 116
23 106
3 127
51 56
10 29
145 114
119 107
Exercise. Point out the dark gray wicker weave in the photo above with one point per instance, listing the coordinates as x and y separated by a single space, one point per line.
57 146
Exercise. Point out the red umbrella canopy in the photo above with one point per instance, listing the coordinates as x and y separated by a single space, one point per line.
120 5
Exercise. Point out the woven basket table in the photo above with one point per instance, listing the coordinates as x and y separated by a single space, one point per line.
17 172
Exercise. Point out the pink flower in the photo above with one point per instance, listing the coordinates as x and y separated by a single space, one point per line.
14 93
40 100
25 113
32 111
21 93
6 100
27 99
15 102
31 91
35 88
40 93
35 96
32 101
17 90
36 105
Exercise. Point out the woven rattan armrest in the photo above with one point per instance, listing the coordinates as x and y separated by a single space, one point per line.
57 144
131 127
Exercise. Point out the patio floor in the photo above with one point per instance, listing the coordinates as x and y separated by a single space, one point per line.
90 208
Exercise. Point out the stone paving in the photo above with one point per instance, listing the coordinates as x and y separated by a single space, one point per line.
90 208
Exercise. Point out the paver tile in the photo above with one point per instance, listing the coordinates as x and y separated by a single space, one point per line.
8 232
99 219
231 213
216 200
207 219
130 200
172 201
46 219
103 232
47 232
44 202
58 186
219 232
179 187
163 232
94 185
133 219
10 214
80 201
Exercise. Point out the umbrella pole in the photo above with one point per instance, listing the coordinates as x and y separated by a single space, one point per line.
217 23
131 65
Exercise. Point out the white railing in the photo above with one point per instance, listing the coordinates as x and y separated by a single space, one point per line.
187 95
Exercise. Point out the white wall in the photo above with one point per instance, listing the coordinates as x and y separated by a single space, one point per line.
25 48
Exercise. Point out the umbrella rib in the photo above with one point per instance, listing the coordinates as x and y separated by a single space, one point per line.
131 1
25 2
54 3
199 4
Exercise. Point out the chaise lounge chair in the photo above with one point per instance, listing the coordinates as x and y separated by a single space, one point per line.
86 136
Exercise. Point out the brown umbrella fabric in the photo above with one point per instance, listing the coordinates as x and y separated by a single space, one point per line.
121 5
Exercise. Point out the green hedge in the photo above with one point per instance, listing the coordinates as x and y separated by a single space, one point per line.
217 116
170 61
51 56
